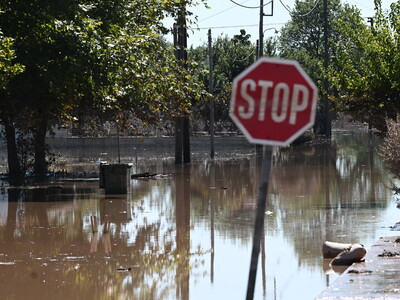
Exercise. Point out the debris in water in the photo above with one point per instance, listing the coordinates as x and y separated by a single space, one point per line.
124 269
360 271
387 253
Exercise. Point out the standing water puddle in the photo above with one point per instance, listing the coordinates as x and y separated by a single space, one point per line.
189 235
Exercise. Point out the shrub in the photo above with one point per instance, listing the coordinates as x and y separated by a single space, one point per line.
390 151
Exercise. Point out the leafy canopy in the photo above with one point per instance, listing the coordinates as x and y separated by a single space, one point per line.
367 67
99 58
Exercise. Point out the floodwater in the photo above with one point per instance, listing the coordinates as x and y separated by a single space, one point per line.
188 234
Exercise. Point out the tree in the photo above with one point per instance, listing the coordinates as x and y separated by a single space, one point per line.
271 47
8 69
231 56
390 148
105 59
367 67
302 38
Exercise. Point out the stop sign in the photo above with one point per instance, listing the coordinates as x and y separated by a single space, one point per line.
273 101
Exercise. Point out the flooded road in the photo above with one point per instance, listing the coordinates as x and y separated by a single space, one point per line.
188 234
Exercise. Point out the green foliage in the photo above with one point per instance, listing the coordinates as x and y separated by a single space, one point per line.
271 47
302 37
8 69
231 56
89 61
390 149
102 56
367 67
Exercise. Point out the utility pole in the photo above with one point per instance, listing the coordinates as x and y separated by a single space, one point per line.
260 46
325 100
178 120
261 30
211 90
257 47
371 21
260 42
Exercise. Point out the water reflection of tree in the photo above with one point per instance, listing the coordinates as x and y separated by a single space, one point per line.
344 178
154 241
150 230
233 187
53 248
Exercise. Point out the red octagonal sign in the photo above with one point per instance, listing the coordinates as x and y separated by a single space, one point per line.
273 101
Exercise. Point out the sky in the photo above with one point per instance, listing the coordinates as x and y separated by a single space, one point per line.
227 18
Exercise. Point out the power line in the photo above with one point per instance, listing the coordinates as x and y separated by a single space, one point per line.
218 13
286 7
251 7
299 15
236 26
312 9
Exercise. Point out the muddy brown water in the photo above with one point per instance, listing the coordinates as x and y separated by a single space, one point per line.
188 235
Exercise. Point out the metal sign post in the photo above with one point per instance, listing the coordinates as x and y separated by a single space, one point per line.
259 223
273 102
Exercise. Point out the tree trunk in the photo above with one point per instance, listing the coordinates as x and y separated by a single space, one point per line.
40 165
16 177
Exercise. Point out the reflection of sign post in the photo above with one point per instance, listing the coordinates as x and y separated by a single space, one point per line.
273 102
